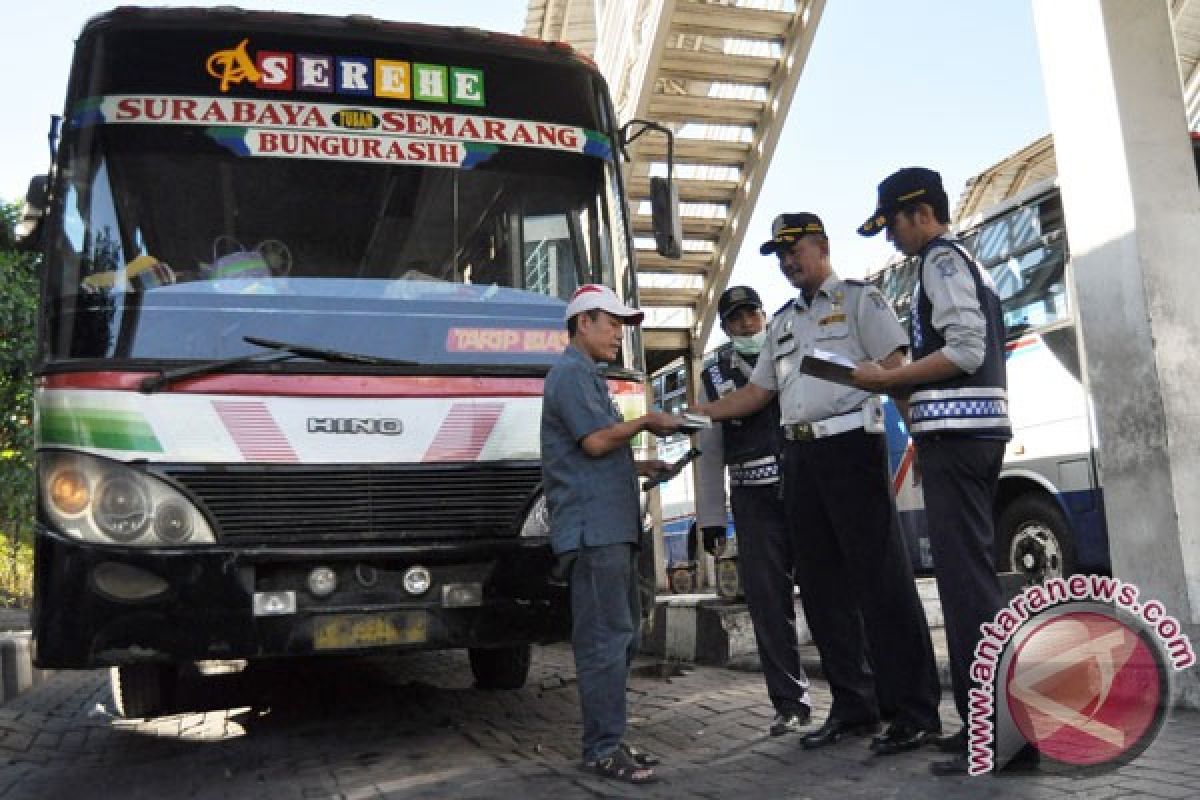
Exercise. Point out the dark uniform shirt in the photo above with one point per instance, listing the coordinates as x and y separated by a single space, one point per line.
592 501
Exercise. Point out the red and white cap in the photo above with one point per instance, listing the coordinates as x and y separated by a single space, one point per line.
594 296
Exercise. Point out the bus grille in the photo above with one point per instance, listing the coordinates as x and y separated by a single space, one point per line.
380 503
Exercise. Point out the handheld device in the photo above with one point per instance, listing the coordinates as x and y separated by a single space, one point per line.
671 471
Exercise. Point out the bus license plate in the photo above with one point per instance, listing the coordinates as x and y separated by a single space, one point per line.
346 631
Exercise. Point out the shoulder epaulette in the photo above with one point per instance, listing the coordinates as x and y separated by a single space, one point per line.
784 307
855 282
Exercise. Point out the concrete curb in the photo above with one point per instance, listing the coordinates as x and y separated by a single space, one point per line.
708 630
705 629
17 672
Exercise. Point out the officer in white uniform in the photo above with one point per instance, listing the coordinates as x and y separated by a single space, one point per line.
837 492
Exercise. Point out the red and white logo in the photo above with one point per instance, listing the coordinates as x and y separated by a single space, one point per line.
1086 689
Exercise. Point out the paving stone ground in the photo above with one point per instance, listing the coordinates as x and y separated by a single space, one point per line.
413 727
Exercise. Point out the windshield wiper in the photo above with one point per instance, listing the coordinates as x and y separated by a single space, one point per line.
289 351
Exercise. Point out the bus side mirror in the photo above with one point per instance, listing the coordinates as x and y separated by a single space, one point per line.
28 230
664 194
664 216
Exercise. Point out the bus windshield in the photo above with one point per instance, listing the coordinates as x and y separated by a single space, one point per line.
193 212
1025 252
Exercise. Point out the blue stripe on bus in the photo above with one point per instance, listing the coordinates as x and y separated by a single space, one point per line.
1085 514
1084 511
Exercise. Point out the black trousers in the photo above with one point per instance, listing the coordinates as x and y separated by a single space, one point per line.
765 566
856 582
958 478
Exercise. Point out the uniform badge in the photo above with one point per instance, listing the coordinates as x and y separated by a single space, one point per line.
945 264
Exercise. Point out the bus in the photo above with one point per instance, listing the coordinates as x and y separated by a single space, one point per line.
669 390
682 543
1049 508
303 279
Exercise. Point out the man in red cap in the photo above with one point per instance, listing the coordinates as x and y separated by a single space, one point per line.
590 478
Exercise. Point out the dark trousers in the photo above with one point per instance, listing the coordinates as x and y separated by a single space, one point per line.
856 582
605 613
958 478
765 565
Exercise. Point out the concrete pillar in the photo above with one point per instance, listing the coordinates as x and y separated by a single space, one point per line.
1132 207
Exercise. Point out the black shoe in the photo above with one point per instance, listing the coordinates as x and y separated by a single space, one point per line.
1027 759
834 729
953 766
899 738
954 743
790 721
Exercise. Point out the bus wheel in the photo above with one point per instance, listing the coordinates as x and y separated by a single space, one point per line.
1034 539
500 667
143 690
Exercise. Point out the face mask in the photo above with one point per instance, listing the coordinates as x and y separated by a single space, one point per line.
749 345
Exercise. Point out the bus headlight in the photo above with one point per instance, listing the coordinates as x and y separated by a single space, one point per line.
69 491
173 522
537 521
122 507
97 500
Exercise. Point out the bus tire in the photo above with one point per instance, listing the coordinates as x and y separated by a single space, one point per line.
500 667
143 690
1033 539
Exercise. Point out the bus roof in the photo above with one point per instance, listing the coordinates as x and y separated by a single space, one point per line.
1036 190
354 26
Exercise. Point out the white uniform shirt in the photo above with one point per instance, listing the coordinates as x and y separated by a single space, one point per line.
850 319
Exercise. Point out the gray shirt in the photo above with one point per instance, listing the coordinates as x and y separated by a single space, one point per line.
955 313
848 318
593 501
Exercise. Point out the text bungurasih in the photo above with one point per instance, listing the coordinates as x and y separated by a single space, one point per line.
1033 600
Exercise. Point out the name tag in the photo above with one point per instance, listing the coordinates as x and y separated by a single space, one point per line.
832 319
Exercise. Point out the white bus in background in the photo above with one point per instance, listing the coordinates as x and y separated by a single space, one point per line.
1050 505
676 496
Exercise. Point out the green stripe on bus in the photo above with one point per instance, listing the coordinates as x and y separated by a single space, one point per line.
111 430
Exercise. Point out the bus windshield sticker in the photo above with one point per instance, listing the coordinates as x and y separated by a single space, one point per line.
353 75
351 147
505 340
328 126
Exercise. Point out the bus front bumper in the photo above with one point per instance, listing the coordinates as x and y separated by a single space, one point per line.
102 606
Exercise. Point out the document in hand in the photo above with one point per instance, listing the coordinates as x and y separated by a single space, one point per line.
828 367
694 422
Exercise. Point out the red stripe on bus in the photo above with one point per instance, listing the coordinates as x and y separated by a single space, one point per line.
323 385
464 432
1022 342
254 431
910 452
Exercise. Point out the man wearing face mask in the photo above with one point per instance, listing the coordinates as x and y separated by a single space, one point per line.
749 448
837 495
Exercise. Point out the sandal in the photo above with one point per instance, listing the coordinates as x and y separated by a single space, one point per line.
621 766
640 756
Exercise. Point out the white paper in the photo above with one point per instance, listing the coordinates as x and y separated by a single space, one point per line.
825 355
